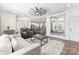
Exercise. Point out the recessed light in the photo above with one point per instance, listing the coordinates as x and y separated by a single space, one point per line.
68 5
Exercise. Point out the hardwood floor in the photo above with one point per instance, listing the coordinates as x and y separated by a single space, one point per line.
70 47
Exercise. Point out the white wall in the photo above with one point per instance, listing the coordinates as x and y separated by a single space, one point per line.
67 25
71 14
8 20
48 26
38 18
22 21
0 22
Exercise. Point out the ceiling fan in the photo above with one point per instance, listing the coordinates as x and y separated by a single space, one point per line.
38 11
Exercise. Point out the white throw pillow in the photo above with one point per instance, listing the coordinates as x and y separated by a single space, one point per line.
14 44
5 46
5 35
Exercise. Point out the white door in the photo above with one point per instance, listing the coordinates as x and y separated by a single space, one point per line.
74 29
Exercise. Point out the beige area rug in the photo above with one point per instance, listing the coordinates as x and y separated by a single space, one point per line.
53 47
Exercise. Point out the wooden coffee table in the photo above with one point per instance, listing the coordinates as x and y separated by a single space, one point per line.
41 38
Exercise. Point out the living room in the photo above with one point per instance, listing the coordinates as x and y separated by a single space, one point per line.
38 27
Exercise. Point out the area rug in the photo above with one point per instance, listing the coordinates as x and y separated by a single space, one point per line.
34 40
53 47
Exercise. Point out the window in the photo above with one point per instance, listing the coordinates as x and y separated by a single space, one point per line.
57 25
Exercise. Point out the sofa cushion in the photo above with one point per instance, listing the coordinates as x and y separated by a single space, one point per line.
33 49
14 42
22 42
19 42
5 45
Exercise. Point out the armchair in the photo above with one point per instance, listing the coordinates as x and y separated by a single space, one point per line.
26 33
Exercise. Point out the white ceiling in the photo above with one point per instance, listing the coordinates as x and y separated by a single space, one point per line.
23 9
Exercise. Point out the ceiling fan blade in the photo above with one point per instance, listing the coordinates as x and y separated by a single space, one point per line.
44 10
40 14
33 10
36 8
41 8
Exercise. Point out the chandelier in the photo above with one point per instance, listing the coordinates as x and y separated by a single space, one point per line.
38 11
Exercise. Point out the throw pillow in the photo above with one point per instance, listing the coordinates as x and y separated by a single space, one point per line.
5 35
14 44
5 45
